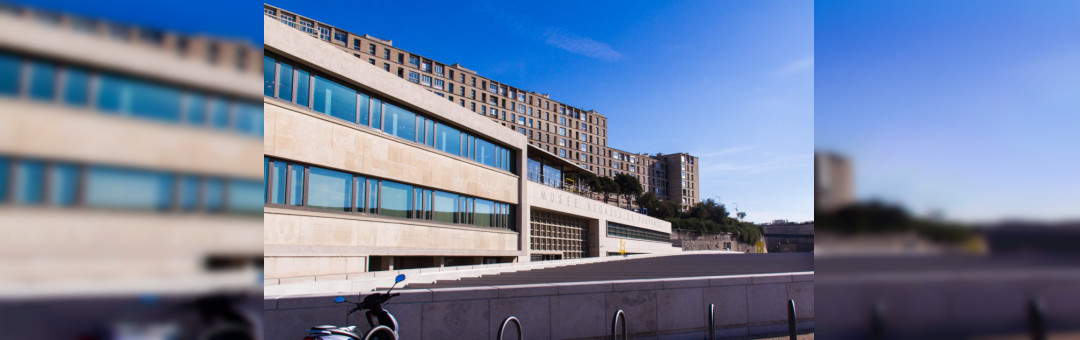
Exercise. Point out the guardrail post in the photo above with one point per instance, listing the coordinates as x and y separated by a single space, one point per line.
615 324
791 320
1036 319
516 323
877 321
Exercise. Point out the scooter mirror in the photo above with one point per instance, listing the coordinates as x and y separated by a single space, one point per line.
400 277
339 299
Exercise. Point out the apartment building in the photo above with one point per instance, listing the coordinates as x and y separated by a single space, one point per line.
127 159
365 171
573 133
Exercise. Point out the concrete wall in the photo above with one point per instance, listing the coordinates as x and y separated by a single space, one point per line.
655 309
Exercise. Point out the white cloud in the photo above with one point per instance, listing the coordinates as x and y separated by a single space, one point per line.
727 151
581 45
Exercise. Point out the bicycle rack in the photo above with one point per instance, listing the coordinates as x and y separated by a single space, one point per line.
791 319
711 322
507 321
615 324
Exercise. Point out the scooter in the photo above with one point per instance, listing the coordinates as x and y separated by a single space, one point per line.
383 324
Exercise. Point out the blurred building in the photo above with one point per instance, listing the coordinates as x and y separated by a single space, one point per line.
367 172
128 159
577 135
833 181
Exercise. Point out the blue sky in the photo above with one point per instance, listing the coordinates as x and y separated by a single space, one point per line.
728 81
967 107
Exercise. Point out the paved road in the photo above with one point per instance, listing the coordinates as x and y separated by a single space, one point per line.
693 265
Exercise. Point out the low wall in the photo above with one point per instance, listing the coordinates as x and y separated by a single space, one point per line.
661 308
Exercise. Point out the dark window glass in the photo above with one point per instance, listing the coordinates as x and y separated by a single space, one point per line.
116 188
63 184
296 185
243 197
303 83
42 80
444 206
219 113
9 74
29 182
376 113
268 76
364 112
213 194
189 193
400 122
196 109
485 213
276 188
329 189
285 79
448 140
396 200
76 87
335 100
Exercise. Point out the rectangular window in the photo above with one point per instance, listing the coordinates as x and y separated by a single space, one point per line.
303 86
414 77
329 189
373 196
371 49
439 70
425 80
285 81
111 188
386 54
444 206
425 66
324 33
42 81
29 182
396 200
296 185
438 83
269 67
307 26
341 36
138 98
376 113
414 60
400 122
334 99
76 87
448 140
356 44
276 186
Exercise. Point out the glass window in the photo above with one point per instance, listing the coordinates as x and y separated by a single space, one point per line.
303 83
448 140
63 184
373 196
76 87
486 153
219 113
444 206
364 112
335 100
42 80
430 132
195 109
9 74
29 182
5 169
276 188
484 214
249 119
189 193
244 197
396 200
360 190
116 188
138 98
268 76
296 185
376 113
400 122
285 78
214 191
329 189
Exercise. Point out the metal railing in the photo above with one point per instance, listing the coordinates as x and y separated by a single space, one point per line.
711 322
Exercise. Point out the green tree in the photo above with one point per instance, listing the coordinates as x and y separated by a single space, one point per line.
629 186
607 187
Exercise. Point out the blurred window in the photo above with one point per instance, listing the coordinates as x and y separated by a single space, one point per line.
116 188
76 87
42 81
9 74
63 184
29 181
